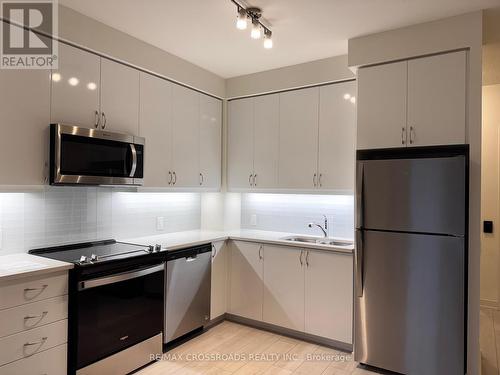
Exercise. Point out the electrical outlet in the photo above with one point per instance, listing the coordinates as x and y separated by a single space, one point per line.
160 223
253 220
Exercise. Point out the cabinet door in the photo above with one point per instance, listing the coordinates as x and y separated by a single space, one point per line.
437 99
185 137
25 109
266 141
382 93
218 303
246 287
298 146
210 142
337 137
156 126
329 295
284 287
75 88
119 97
240 143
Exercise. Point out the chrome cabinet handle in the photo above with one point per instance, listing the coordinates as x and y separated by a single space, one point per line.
104 120
41 316
358 262
403 135
300 258
30 344
202 179
33 289
214 251
412 131
250 179
260 253
255 180
170 179
175 178
319 180
97 119
314 179
307 258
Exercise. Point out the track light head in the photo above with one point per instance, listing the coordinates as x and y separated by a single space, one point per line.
241 20
255 33
268 40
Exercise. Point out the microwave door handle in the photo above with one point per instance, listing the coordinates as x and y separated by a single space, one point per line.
134 160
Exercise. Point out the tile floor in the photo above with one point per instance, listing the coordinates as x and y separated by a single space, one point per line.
231 348
490 341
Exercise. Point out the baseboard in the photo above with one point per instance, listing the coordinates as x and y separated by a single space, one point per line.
290 333
489 304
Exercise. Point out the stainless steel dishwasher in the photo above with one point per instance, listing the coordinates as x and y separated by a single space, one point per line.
187 291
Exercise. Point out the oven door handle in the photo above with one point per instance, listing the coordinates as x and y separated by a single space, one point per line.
92 283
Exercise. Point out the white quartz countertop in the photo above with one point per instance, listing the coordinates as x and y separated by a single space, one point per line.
13 266
179 240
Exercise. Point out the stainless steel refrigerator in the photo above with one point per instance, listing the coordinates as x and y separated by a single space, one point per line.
411 257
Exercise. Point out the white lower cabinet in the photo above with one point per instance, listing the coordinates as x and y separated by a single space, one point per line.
329 295
218 295
49 362
305 290
284 287
246 274
34 325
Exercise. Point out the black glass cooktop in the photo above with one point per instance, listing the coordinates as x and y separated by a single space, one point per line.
92 252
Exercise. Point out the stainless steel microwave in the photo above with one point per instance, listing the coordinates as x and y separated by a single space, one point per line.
81 156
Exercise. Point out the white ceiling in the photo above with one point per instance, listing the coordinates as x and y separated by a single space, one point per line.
204 33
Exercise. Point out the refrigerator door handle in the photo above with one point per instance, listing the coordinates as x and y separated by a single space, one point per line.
358 261
359 195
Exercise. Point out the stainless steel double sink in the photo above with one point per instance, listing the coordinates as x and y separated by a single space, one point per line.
320 241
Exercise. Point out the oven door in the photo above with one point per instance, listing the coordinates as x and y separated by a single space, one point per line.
94 157
117 311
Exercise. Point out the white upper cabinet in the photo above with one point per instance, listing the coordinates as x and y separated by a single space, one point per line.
381 102
246 285
156 126
437 100
266 141
419 102
210 142
298 145
119 97
329 295
337 137
25 109
284 287
185 137
240 144
75 88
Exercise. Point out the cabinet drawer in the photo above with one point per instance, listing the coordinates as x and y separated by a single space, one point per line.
28 343
19 292
32 315
49 362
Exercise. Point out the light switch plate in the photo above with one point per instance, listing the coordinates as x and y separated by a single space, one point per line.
160 223
253 220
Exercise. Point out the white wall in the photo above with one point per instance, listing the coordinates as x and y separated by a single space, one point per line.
490 243
87 32
461 32
58 215
306 74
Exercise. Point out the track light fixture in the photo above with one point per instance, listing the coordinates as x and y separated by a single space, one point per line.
254 15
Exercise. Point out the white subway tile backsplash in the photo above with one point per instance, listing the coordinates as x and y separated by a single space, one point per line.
58 215
292 213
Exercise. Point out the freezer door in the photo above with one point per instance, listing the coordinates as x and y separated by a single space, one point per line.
410 309
426 195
